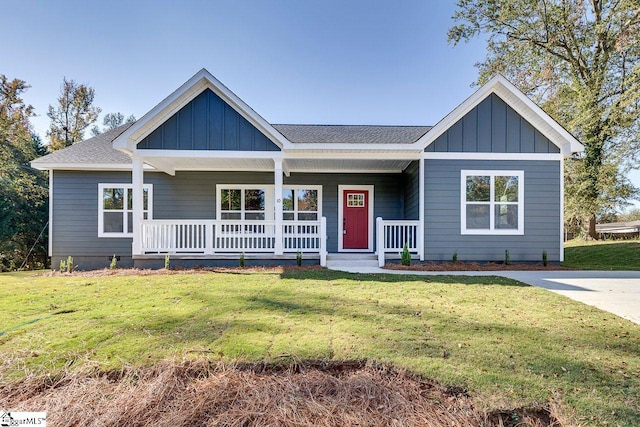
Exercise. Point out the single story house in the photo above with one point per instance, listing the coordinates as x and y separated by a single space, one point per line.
204 178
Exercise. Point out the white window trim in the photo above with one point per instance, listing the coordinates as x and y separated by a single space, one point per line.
295 188
269 209
491 230
125 226
371 220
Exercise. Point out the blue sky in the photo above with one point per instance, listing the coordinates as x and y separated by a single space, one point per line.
327 62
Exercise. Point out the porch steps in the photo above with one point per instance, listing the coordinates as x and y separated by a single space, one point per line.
348 261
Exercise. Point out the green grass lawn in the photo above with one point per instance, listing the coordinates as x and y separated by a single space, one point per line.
510 345
602 254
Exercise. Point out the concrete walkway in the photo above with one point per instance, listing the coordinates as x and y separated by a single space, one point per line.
617 292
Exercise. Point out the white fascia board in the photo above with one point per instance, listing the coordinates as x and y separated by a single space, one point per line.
311 170
182 96
352 154
208 154
491 156
319 146
86 166
525 107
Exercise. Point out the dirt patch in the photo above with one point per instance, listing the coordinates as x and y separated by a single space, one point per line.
473 266
300 394
105 272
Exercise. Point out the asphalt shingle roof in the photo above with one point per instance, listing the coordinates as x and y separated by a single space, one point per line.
98 149
357 134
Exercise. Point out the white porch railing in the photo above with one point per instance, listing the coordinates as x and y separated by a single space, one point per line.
207 237
393 235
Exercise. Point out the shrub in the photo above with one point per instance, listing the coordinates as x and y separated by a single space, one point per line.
241 260
544 258
405 255
507 260
454 259
114 262
167 261
299 258
63 266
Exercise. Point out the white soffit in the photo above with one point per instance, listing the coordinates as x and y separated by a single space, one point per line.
346 165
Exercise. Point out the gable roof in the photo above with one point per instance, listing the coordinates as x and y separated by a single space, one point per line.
517 100
202 80
97 151
351 134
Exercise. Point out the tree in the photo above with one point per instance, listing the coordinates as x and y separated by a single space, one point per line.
23 192
73 114
112 121
580 60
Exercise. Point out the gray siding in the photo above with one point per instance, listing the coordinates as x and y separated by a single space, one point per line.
412 191
75 218
207 123
541 215
492 126
188 195
388 196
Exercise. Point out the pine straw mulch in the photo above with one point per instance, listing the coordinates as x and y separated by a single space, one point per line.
296 394
473 266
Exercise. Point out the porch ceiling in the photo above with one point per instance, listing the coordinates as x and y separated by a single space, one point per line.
346 165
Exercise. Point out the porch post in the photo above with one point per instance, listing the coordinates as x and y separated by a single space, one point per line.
277 180
421 214
137 180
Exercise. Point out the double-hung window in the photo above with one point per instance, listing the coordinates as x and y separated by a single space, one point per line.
115 209
492 202
242 203
301 203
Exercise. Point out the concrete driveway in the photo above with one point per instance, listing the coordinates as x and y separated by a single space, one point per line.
617 292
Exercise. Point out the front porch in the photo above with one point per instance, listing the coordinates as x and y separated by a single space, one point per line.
225 239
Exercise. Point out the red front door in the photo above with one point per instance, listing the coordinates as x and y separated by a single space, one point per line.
355 221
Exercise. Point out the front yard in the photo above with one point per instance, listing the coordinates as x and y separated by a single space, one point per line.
509 345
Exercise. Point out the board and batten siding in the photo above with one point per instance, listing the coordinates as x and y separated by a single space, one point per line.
207 123
442 229
492 127
187 195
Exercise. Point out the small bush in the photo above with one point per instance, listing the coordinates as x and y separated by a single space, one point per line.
507 260
299 258
167 261
544 258
63 266
405 255
454 259
241 260
114 262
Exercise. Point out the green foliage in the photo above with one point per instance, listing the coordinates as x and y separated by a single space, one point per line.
299 258
73 113
63 266
70 266
514 345
454 259
507 259
241 260
23 190
112 121
167 262
114 263
580 61
545 261
405 255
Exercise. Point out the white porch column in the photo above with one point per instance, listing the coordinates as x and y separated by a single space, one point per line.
421 214
277 181
137 180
